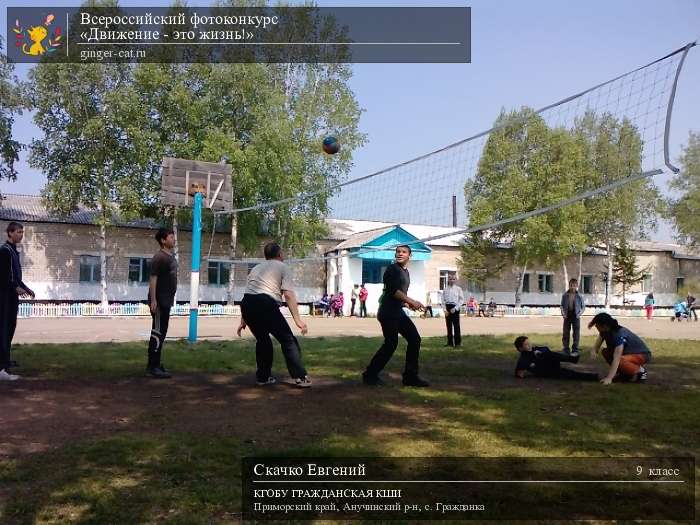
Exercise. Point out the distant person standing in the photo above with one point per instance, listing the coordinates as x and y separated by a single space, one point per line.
268 284
353 300
363 300
161 296
394 321
690 304
428 306
11 289
649 305
572 307
452 300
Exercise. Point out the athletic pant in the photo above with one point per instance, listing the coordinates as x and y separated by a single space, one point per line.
452 321
569 323
650 311
9 303
363 308
352 307
391 328
159 329
692 313
568 373
629 364
262 315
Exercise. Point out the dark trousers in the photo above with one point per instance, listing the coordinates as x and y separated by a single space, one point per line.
692 313
452 321
262 315
363 308
9 303
159 329
352 307
568 373
429 310
569 323
391 328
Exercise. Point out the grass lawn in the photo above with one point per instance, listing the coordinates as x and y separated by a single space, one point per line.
91 440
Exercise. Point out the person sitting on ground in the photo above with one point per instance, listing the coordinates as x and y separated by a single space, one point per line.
625 352
492 307
542 362
680 311
339 303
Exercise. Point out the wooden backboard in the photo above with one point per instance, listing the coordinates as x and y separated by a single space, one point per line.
181 177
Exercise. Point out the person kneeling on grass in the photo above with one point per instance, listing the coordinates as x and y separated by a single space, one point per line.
542 362
625 352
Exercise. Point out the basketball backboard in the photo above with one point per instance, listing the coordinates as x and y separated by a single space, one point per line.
182 178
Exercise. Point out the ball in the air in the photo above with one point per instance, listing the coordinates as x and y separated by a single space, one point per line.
331 145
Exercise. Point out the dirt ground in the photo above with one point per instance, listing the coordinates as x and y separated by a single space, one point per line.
41 414
123 329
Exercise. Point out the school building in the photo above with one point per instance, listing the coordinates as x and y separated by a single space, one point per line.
61 262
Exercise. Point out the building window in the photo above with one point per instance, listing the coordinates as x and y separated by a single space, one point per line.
219 273
545 283
373 271
90 269
526 283
646 283
680 283
139 269
445 276
587 284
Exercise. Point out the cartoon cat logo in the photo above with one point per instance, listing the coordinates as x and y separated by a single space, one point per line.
36 36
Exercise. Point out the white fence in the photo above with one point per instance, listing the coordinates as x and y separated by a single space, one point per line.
183 309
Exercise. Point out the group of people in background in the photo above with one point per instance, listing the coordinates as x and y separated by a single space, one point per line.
332 305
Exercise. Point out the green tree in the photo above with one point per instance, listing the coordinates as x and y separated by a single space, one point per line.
526 165
11 103
480 261
613 151
268 121
685 209
94 152
625 269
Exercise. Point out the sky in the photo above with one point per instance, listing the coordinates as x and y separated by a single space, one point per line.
523 53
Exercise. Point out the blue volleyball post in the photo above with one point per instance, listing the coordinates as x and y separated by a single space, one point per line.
194 279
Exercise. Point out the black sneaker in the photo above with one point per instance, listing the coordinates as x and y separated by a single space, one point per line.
157 373
269 381
415 381
372 380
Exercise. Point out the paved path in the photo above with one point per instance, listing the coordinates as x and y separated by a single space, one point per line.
71 330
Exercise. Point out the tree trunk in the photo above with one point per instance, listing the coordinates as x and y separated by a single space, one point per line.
519 289
609 290
580 266
103 263
232 256
566 275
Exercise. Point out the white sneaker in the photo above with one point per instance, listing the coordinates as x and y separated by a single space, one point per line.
5 376
303 382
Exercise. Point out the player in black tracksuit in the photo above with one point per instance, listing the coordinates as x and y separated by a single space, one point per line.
394 321
11 289
542 362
